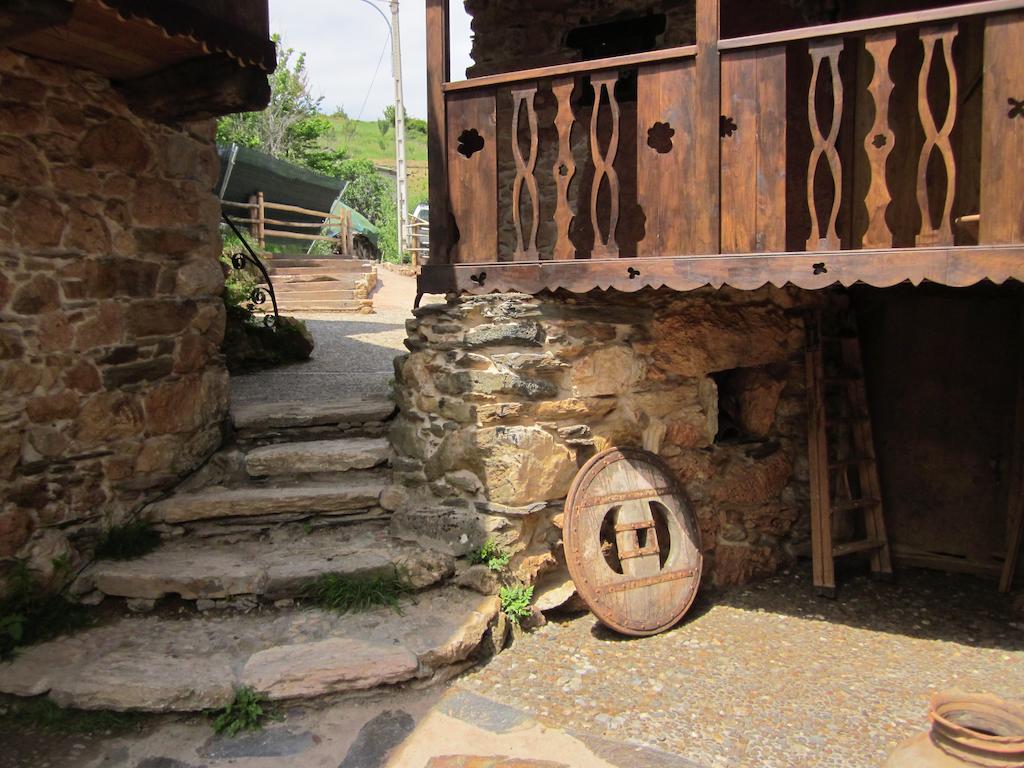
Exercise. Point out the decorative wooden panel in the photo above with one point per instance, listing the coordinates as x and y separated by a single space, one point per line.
473 176
1002 150
879 141
753 146
666 171
605 246
565 167
526 245
936 138
825 146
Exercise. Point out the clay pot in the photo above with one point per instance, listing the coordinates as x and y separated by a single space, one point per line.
967 730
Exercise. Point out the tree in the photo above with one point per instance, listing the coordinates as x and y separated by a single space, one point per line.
292 127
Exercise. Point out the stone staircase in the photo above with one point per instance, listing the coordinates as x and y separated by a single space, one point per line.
322 284
302 491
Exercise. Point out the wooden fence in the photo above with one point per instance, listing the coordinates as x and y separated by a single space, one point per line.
263 228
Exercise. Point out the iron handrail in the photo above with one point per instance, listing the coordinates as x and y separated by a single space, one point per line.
239 260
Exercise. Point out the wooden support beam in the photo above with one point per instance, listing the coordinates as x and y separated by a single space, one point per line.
1015 497
437 128
706 140
23 17
201 88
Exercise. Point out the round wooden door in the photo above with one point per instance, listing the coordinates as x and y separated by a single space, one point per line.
631 542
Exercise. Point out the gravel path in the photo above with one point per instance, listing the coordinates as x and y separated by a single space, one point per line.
353 355
770 675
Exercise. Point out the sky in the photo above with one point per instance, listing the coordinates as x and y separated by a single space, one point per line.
343 41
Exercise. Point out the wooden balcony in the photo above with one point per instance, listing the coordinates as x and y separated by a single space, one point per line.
879 150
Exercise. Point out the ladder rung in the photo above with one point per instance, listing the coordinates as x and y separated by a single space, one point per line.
853 461
850 547
849 506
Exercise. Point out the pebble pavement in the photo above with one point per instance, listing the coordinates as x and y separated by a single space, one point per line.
770 675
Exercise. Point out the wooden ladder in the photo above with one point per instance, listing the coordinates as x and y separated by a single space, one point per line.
843 470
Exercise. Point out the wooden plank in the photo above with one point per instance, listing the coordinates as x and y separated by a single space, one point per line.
825 145
665 95
605 246
473 176
879 141
706 128
935 138
23 17
753 151
564 169
578 67
858 26
739 152
817 451
297 209
1015 498
955 266
1002 149
437 131
526 166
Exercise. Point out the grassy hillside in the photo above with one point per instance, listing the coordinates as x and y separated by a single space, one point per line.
362 139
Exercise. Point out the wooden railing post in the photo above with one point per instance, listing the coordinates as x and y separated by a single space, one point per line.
261 221
437 128
707 234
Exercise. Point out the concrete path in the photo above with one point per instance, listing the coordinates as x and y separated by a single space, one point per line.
353 354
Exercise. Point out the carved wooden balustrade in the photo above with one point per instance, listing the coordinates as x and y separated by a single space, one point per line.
880 150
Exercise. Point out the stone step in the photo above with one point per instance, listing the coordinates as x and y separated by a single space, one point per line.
334 499
156 664
306 276
336 289
271 567
317 456
341 265
296 304
290 298
258 419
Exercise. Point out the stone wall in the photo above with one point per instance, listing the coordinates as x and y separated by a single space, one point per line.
503 398
110 316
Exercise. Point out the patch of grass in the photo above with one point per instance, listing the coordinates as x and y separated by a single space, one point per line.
246 713
344 594
128 541
491 555
44 715
515 602
28 614
362 139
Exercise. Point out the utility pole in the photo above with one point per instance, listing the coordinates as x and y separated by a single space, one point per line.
400 172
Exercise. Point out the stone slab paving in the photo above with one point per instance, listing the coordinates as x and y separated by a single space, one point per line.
277 565
350 733
770 675
190 662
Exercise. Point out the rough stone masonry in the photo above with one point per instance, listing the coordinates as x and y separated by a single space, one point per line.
110 315
504 397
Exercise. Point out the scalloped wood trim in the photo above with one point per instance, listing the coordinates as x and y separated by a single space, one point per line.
882 268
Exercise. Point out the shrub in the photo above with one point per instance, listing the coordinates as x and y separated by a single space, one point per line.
344 593
491 555
128 542
246 712
515 602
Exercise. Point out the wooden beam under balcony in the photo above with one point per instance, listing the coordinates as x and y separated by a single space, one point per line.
954 266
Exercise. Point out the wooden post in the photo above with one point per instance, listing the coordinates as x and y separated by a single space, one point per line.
707 140
261 223
1015 497
437 129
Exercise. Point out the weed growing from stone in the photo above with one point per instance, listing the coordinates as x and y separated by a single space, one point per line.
28 614
44 715
246 712
344 593
491 555
128 542
515 602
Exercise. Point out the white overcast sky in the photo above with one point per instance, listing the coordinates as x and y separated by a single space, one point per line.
343 40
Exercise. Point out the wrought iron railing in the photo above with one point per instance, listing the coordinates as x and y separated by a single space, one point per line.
242 260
